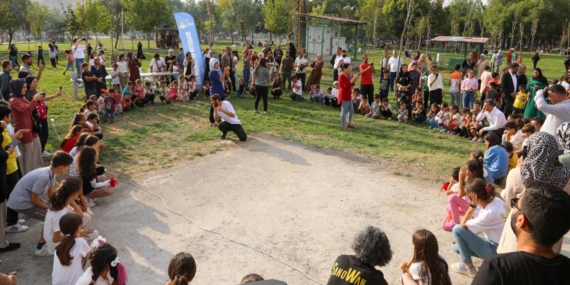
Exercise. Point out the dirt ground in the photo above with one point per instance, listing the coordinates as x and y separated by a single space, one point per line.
299 205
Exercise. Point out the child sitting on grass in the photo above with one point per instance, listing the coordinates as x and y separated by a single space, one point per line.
386 108
417 97
375 108
206 89
403 113
433 111
182 89
163 92
356 98
419 113
88 108
442 116
192 87
317 95
384 84
241 90
513 158
101 103
110 109
520 100
172 92
453 121
464 129
364 107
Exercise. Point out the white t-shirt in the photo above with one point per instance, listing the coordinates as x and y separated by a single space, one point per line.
517 140
303 61
78 52
297 87
115 77
86 278
395 63
51 225
416 268
68 275
229 108
11 132
157 64
347 60
490 220
123 67
337 60
437 84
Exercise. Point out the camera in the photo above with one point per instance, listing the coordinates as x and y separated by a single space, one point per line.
43 94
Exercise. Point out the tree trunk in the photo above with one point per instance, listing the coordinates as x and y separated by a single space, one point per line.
10 35
148 40
521 31
116 40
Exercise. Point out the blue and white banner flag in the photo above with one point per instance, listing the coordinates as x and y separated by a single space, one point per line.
191 43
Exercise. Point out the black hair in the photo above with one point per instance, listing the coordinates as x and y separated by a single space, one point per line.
492 138
61 158
457 67
455 173
508 146
4 111
511 125
5 63
538 120
476 166
547 210
100 259
182 268
483 190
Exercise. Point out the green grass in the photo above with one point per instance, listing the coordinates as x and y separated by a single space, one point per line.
161 136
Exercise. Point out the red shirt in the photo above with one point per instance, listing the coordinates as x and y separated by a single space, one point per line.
510 57
365 77
69 144
345 88
22 116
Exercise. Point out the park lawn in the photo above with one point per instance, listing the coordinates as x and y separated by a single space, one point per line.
162 136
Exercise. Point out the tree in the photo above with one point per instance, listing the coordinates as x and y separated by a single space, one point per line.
146 15
96 17
115 8
37 14
273 12
14 13
74 20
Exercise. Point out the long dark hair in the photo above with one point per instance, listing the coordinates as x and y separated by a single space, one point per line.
481 188
262 63
69 186
434 269
86 162
476 166
182 268
75 131
492 138
76 118
101 258
68 225
81 139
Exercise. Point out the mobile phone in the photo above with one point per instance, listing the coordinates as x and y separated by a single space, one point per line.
60 87
43 94
372 64
13 143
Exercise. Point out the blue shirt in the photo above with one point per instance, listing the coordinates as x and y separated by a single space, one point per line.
217 86
127 90
496 163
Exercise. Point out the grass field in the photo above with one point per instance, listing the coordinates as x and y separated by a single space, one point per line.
161 136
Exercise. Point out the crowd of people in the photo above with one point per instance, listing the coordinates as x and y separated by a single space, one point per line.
515 192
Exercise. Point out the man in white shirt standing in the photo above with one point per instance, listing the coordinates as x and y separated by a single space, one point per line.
394 64
225 112
496 120
78 54
157 64
557 113
335 60
301 64
484 79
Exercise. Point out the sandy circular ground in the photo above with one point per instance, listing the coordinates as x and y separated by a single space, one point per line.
298 204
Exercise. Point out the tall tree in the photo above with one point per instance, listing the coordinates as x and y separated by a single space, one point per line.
37 14
74 20
14 14
276 13
97 17
115 8
147 15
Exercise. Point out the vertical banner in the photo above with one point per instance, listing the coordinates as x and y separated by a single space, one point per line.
191 43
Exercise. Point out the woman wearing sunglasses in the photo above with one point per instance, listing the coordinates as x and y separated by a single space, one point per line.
490 220
540 163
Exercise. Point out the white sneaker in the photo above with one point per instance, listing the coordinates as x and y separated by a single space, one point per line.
481 140
17 228
21 221
475 139
462 269
46 153
90 202
43 251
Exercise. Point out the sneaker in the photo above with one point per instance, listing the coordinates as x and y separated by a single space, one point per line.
475 139
481 140
17 228
90 202
462 269
21 221
43 252
222 137
452 133
430 127
46 153
448 226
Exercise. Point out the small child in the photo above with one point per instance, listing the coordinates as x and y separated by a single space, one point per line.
333 97
317 95
70 252
418 96
433 111
385 108
227 88
241 90
163 92
105 261
464 129
384 84
101 102
173 91
453 187
375 108
115 75
419 113
192 87
513 158
403 113
527 130
356 98
206 89
514 135
492 92
110 109
89 108
442 116
182 89
93 122
452 123
117 97
425 262
520 100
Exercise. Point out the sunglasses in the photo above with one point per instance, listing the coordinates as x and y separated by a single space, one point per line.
515 203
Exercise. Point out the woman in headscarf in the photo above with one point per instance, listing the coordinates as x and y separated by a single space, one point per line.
99 71
133 64
207 55
469 62
521 75
536 82
140 54
170 58
217 79
540 163
315 78
563 133
422 64
23 120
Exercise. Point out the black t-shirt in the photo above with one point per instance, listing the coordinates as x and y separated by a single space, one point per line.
349 270
522 268
87 188
89 85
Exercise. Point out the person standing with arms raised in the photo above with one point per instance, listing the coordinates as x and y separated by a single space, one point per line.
345 96
217 79
78 53
366 85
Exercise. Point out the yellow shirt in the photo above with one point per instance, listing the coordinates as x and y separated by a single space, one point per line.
520 100
513 161
11 164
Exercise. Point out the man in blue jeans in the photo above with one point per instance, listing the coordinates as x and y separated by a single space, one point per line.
394 64
78 54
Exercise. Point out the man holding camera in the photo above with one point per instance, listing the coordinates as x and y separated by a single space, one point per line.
366 85
556 113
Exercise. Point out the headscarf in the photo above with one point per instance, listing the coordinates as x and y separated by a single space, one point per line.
519 72
541 162
470 60
16 86
540 77
563 133
213 61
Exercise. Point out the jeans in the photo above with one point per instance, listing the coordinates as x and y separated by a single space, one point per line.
391 80
224 127
455 98
320 100
346 107
286 77
420 118
78 63
14 60
246 77
69 65
468 99
432 123
469 244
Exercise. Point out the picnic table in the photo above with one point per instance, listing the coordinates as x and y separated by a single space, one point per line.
151 76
